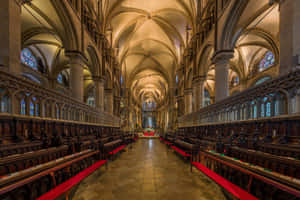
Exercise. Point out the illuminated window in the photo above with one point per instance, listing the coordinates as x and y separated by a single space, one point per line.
267 61
206 97
60 78
28 59
31 113
23 107
5 104
122 80
262 80
236 80
91 101
254 113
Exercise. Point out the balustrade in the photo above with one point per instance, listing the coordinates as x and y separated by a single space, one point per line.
19 96
275 97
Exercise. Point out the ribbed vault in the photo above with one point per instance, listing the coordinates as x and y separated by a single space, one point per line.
150 37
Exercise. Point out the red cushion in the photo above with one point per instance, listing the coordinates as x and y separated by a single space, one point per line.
67 185
181 152
117 150
227 185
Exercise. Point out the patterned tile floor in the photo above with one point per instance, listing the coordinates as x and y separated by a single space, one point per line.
148 171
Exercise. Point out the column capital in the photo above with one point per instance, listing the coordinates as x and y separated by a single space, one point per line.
180 98
99 78
198 80
108 91
222 56
188 91
76 57
118 98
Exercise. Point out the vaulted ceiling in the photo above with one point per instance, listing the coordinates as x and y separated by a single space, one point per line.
149 35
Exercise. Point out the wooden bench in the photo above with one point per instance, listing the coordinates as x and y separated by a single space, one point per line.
39 180
236 191
18 148
67 185
17 162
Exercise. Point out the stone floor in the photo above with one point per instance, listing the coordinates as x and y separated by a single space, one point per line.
148 171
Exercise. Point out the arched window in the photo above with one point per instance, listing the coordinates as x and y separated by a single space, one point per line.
254 110
235 81
122 80
206 97
60 78
23 107
262 80
31 112
91 101
5 104
28 59
176 79
267 61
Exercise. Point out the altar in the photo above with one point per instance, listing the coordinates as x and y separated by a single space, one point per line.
149 133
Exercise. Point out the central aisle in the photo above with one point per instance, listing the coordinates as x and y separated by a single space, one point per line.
148 171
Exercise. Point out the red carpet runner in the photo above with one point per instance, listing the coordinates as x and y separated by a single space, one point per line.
117 150
67 185
233 189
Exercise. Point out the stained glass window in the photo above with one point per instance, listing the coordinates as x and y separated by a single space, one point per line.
23 107
31 113
28 59
176 79
122 80
60 78
267 61
268 109
236 80
254 109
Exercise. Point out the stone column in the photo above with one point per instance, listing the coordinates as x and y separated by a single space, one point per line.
10 34
221 60
99 86
198 92
188 99
109 107
289 35
76 74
